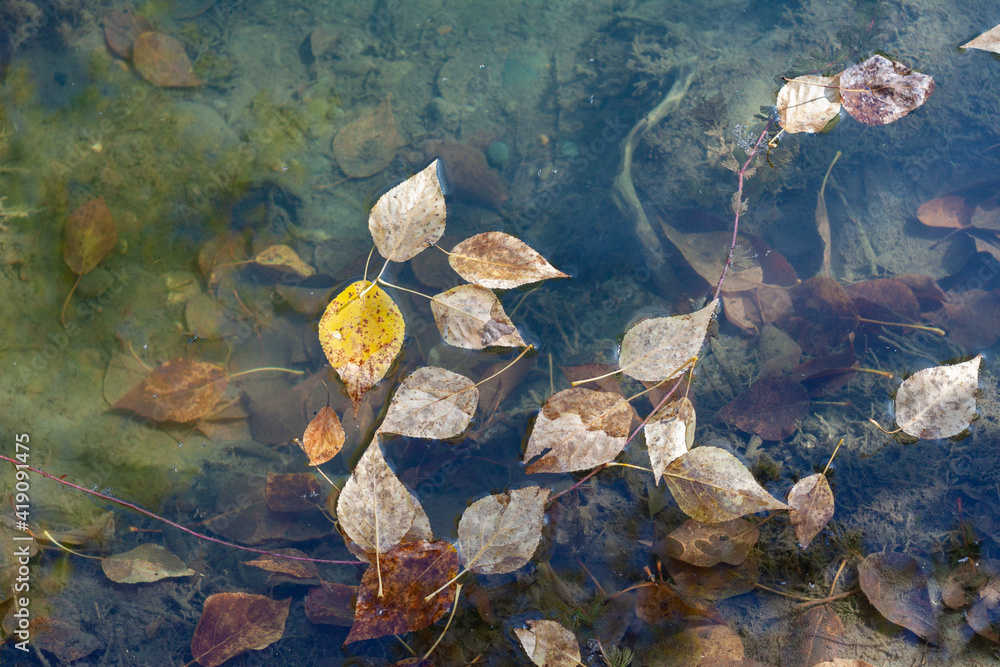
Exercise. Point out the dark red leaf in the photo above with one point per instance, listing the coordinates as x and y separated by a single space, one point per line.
772 408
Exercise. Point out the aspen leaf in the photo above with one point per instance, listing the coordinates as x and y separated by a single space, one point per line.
815 635
811 501
232 623
669 434
331 604
772 408
660 603
897 587
145 563
499 261
578 429
807 103
121 29
470 316
549 644
707 545
293 492
410 217
368 144
498 534
712 486
988 41
181 390
90 235
296 569
950 212
361 337
432 403
161 60
324 437
719 582
284 259
938 402
879 91
655 349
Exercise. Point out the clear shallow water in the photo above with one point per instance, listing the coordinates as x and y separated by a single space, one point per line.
560 85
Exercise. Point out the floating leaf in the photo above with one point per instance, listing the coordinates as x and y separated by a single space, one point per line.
367 145
669 434
711 485
578 429
181 390
499 533
879 91
896 586
293 492
395 603
432 403
90 235
950 212
938 402
706 545
811 501
549 644
988 41
470 316
284 259
772 408
121 29
361 337
331 604
145 563
324 437
232 623
296 569
655 349
815 635
410 217
161 60
807 103
499 261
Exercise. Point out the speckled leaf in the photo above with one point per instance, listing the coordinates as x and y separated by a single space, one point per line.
897 587
145 563
470 316
938 402
161 60
361 337
410 217
232 623
706 545
988 41
90 235
655 349
499 261
323 437
578 429
283 258
432 403
879 91
549 644
669 434
499 533
181 390
811 500
711 485
807 103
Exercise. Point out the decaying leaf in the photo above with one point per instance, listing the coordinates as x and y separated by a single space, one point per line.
145 563
293 492
161 60
884 299
121 29
811 500
181 390
499 533
578 429
323 437
331 604
897 587
90 235
950 212
232 623
549 644
718 582
472 317
361 336
711 485
659 603
395 603
499 261
296 569
988 41
984 614
432 403
283 258
706 545
815 635
879 91
410 217
669 434
655 349
367 145
939 402
807 103
772 408
242 515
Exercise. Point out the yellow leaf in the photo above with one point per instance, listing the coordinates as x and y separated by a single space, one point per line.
361 335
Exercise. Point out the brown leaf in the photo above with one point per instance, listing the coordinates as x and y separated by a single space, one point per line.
659 602
471 317
971 318
293 492
121 29
811 501
410 217
823 316
814 636
827 374
884 299
963 580
988 41
939 402
656 349
578 429
145 563
753 309
367 145
949 212
772 408
706 253
222 252
896 586
705 545
232 623
181 390
59 634
296 569
393 603
282 258
331 604
243 516
928 292
499 533
495 260
669 434
719 582
549 644
90 235
469 175
324 437
161 60
432 403
807 103
879 91
984 615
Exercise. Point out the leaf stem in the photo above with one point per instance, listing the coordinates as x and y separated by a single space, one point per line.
454 607
62 313
835 449
629 465
453 579
53 540
266 368
919 327
403 289
523 352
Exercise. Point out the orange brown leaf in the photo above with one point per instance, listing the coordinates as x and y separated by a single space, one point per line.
90 235
499 261
324 437
181 390
161 60
232 623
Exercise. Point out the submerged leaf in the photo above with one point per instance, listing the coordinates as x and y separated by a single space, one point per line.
811 501
161 60
772 408
950 212
296 569
90 235
181 390
232 623
121 29
283 258
706 545
549 644
578 429
499 261
145 563
499 533
807 103
879 91
432 403
324 437
410 217
815 636
939 402
293 492
331 604
897 587
368 144
656 349
719 582
471 317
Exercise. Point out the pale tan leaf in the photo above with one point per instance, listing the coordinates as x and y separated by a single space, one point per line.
655 349
711 485
549 644
807 103
410 217
432 403
988 41
145 563
938 402
499 533
578 429
499 261
669 434
811 500
470 316
283 258
323 437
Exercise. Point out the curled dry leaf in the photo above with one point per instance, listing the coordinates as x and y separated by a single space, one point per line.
808 103
232 623
161 60
897 587
367 145
988 41
879 91
296 569
331 604
90 235
284 259
711 485
811 501
772 408
499 261
324 437
814 635
432 403
410 217
145 563
181 390
499 533
578 429
549 644
655 349
669 434
361 336
470 316
706 545
938 402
